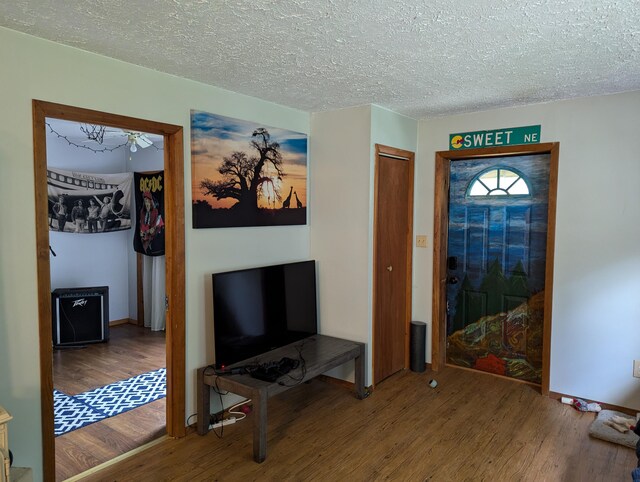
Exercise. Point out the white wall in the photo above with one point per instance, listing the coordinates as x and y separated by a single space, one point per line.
104 259
596 307
36 69
343 151
393 130
339 215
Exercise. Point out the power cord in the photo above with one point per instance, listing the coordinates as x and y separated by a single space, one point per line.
231 411
302 364
242 415
216 388
190 417
247 369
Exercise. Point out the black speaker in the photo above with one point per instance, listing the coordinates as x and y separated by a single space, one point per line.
418 344
80 315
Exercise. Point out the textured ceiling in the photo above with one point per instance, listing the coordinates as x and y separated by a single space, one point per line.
419 58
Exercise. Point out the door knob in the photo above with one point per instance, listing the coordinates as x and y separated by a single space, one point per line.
389 268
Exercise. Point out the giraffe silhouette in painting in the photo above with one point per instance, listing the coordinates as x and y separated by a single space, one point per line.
286 202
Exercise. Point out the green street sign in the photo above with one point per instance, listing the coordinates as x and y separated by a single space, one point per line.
495 138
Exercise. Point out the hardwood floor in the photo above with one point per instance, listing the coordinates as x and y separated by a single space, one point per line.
131 350
472 427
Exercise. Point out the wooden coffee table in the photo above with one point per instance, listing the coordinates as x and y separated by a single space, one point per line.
320 352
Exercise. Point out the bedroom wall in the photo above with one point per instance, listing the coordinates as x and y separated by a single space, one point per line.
37 69
596 308
105 259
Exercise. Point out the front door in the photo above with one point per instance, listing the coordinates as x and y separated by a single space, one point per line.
496 258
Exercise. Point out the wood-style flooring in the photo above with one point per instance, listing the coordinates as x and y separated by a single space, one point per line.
471 427
131 350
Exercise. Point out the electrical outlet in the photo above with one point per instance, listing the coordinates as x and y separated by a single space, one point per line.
421 241
636 368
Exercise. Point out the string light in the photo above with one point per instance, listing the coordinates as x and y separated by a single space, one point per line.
71 143
94 132
102 149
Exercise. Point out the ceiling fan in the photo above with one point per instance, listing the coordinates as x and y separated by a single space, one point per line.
137 139
134 140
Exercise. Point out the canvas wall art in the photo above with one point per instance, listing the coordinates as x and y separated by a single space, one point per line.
246 174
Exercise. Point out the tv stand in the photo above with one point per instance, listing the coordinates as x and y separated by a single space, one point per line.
320 352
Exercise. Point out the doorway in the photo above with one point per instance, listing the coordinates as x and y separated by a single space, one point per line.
175 275
494 238
392 256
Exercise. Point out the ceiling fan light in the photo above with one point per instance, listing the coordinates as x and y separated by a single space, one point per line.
133 147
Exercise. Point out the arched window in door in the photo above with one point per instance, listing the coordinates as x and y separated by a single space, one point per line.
499 182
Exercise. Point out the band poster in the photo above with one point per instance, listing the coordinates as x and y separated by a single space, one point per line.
87 203
149 198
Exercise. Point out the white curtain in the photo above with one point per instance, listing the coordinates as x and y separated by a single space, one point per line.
153 289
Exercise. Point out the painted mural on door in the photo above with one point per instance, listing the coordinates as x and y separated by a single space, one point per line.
496 257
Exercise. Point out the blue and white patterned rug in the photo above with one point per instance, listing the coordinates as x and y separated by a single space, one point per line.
74 412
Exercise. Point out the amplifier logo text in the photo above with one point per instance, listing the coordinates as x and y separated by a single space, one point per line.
80 302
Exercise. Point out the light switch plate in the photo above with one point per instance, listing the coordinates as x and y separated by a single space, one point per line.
636 368
421 241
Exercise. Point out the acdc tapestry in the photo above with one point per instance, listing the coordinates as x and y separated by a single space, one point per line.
149 196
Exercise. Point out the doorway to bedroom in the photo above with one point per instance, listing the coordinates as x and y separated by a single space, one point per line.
117 375
108 280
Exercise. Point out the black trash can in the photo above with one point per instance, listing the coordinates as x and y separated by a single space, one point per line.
418 345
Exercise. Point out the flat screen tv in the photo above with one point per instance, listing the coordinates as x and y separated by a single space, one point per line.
259 309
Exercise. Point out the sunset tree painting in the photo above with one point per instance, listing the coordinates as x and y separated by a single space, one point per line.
245 174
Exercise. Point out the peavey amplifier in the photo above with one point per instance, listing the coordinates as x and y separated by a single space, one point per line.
80 315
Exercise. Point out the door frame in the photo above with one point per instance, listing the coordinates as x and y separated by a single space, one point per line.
408 156
174 252
440 237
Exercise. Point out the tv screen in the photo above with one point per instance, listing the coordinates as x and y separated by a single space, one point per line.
259 309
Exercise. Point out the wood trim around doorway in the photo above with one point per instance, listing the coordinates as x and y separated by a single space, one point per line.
175 256
440 235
